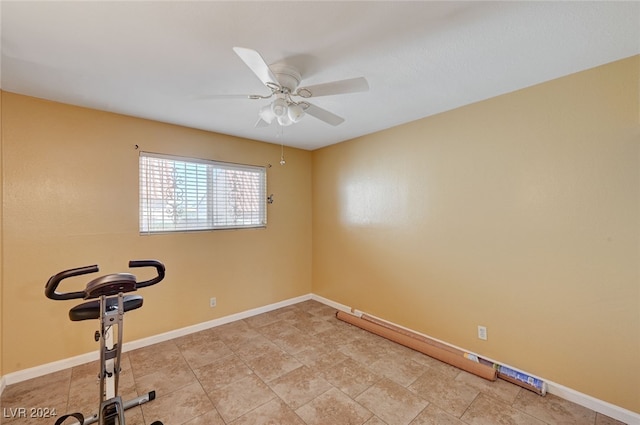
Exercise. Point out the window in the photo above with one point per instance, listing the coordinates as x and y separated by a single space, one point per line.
185 194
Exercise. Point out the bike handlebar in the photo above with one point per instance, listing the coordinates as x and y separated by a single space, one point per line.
149 263
54 281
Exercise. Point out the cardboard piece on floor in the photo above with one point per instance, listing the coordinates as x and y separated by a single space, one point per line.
434 351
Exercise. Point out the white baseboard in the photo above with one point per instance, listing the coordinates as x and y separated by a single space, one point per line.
600 406
331 303
34 372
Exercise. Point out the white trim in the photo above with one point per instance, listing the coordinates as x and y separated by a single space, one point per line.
600 406
330 303
34 372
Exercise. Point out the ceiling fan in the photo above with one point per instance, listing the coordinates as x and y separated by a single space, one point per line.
283 81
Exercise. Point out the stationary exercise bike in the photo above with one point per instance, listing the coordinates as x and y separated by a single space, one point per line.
109 307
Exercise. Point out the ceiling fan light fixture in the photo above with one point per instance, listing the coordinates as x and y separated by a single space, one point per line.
266 113
279 107
295 112
284 120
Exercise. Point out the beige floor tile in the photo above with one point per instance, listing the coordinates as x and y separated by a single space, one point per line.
38 392
157 356
293 315
199 353
256 347
316 308
84 395
299 386
166 379
273 365
241 397
312 325
398 368
262 319
48 392
178 407
433 415
553 409
439 366
274 412
212 417
349 330
333 338
134 416
375 421
88 372
452 396
321 358
275 329
295 341
333 407
222 373
489 411
408 353
365 351
350 377
606 420
127 384
500 389
205 336
235 334
391 402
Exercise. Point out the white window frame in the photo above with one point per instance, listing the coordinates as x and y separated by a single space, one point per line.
180 194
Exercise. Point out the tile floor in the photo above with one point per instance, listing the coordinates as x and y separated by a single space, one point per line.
296 365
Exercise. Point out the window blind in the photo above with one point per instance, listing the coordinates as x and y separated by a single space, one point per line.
189 194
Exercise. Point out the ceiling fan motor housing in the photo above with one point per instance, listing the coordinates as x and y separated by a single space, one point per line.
288 77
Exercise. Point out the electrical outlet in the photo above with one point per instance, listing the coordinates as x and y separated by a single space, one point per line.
212 302
482 333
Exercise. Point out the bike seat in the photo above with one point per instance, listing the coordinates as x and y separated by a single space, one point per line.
91 309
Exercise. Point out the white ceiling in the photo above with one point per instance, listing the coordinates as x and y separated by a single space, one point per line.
155 59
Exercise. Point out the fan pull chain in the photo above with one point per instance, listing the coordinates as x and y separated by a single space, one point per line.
282 161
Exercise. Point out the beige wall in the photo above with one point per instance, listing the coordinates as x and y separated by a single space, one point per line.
71 197
520 213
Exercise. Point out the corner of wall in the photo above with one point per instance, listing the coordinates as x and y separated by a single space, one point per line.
2 382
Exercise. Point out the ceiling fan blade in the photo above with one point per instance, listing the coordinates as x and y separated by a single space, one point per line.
323 114
255 62
226 96
261 123
351 85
